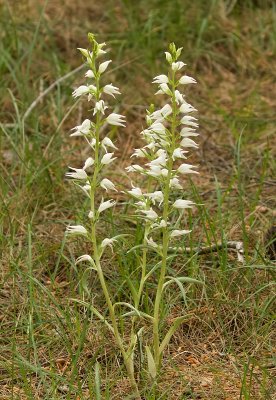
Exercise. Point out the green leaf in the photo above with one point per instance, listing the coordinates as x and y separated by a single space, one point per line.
96 312
141 314
123 303
185 279
97 381
180 285
143 246
178 321
151 364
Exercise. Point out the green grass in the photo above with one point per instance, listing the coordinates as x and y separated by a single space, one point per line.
53 347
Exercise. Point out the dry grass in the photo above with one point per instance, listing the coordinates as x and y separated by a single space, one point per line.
225 350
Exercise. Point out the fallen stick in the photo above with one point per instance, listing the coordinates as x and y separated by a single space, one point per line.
49 88
231 245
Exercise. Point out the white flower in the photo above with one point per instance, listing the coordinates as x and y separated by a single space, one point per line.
90 215
88 163
84 52
103 66
179 98
90 74
177 232
182 204
187 132
157 127
139 153
164 88
159 161
111 90
187 142
160 115
187 108
188 120
168 57
107 185
155 171
174 183
161 224
85 257
161 79
176 66
108 242
164 172
80 91
82 129
151 243
141 204
156 196
78 174
76 230
105 205
134 168
100 48
178 153
83 90
151 146
99 106
115 119
186 169
106 142
185 79
136 192
150 214
107 158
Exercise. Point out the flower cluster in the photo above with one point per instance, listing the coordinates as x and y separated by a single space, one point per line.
168 139
102 148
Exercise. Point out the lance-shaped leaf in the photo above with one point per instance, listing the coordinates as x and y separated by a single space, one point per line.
151 364
97 382
123 303
178 321
156 266
179 281
141 314
96 312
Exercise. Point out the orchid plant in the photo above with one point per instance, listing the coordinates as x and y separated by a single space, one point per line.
169 137
94 184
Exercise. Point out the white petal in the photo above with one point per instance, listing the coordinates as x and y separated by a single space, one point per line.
107 185
115 119
176 66
182 204
107 158
106 142
85 257
186 169
177 232
88 163
185 79
76 229
103 66
105 205
89 74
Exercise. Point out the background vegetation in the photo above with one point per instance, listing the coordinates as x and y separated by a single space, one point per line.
50 343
